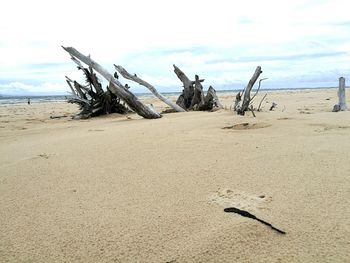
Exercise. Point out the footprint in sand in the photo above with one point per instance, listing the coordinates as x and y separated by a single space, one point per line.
44 155
233 198
284 118
322 127
96 130
304 112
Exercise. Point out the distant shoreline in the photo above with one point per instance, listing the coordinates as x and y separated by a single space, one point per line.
21 99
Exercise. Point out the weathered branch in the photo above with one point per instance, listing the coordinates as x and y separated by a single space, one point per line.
90 76
94 81
127 75
211 96
251 108
79 90
198 97
257 89
115 86
261 102
246 97
69 82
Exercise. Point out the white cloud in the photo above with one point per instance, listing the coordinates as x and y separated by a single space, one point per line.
18 88
114 31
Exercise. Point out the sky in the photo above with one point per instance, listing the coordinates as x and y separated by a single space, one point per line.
297 43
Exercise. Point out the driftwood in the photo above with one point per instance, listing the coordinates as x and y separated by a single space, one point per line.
193 97
274 105
261 101
58 116
92 99
341 106
257 90
127 75
115 87
246 94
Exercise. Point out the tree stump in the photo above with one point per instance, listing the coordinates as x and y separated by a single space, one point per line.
193 97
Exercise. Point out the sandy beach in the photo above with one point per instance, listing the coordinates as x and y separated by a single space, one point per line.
126 189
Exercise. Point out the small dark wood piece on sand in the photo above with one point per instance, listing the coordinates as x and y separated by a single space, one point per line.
273 106
249 215
341 106
193 97
114 87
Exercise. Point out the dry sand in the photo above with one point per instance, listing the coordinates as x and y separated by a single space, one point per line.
118 189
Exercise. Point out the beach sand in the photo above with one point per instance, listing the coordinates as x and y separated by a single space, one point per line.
126 189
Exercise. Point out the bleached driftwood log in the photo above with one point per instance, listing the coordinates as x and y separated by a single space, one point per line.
193 97
341 106
246 97
127 75
115 86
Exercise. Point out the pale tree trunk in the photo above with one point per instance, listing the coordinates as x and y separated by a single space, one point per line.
246 96
127 75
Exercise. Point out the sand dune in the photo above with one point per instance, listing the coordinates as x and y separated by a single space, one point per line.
125 189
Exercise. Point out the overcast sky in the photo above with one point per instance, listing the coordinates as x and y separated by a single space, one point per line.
297 43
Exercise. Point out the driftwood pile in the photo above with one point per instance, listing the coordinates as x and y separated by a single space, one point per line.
117 98
115 87
94 100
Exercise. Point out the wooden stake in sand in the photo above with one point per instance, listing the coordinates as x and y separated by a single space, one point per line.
341 106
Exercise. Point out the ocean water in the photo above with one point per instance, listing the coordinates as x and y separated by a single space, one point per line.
5 100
